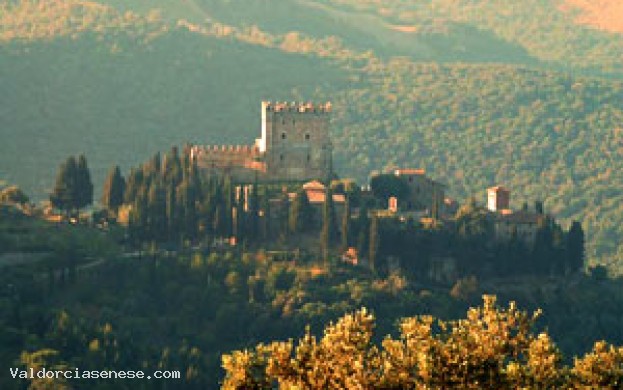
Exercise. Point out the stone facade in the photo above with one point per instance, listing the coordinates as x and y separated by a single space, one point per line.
295 145
424 192
498 198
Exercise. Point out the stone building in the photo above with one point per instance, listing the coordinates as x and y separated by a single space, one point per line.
295 145
498 198
424 192
522 225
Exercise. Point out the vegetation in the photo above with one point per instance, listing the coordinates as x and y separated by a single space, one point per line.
181 311
491 348
475 92
73 189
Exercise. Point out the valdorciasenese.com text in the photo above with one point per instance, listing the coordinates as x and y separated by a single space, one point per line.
76 373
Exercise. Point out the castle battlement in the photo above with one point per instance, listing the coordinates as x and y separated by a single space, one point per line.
295 145
241 150
301 107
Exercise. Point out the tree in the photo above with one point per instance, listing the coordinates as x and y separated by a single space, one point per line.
328 233
254 211
64 193
363 226
491 348
13 194
114 188
345 231
386 185
575 247
301 213
374 242
84 185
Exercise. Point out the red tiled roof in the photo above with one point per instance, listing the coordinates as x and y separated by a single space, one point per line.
319 197
409 171
314 185
497 189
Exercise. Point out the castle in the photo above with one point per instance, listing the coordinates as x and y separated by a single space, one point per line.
295 146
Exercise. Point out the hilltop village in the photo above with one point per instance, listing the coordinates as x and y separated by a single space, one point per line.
282 197
293 157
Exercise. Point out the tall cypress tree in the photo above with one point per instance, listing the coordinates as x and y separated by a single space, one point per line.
328 233
363 225
374 242
346 225
575 247
63 195
228 200
157 214
254 209
239 216
300 213
113 192
84 185
172 213
133 185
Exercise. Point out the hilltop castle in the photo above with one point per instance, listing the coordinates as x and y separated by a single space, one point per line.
295 145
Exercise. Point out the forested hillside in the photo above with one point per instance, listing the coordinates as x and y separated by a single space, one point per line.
524 94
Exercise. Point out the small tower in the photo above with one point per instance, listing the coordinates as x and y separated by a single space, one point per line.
498 198
295 141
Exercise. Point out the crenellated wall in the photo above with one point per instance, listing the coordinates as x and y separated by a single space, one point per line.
295 145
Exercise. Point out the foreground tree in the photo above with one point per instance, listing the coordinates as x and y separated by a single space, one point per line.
491 348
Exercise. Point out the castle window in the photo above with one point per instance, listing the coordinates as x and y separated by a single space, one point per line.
283 121
283 135
308 158
307 136
281 157
293 122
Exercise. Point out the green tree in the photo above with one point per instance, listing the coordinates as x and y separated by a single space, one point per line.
328 232
65 189
301 213
345 231
387 185
114 188
84 185
374 242
13 194
575 247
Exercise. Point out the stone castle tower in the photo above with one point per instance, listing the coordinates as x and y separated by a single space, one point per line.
295 142
295 145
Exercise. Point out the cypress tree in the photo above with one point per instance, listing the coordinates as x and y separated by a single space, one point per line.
374 242
328 232
157 215
228 200
133 185
346 225
254 209
114 187
362 229
239 216
63 195
300 213
575 247
172 213
173 170
84 185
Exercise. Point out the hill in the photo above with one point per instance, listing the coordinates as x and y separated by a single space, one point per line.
474 91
